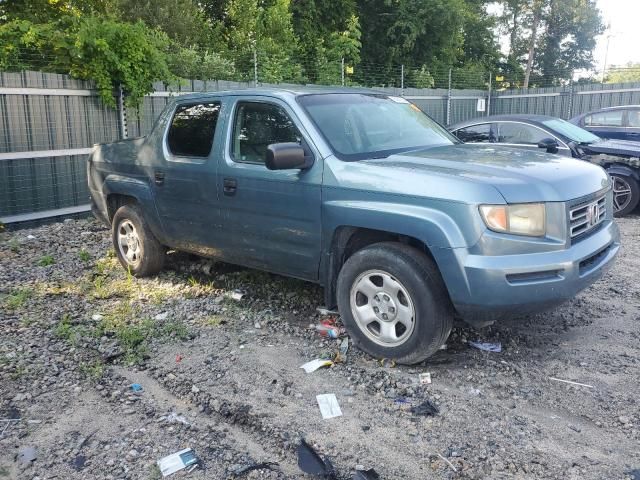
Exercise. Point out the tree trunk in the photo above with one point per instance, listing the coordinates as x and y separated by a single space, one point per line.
537 7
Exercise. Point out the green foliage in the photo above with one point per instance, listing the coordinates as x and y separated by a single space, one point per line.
46 260
84 256
190 63
420 78
18 298
630 73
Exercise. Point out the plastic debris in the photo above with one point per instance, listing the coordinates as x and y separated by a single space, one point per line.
425 378
31 237
487 346
310 462
570 382
341 355
237 295
328 404
173 417
137 388
325 311
426 408
370 474
328 328
314 365
388 363
402 401
177 461
178 358
27 455
255 466
78 462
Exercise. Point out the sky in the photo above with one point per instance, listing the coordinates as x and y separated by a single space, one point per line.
623 17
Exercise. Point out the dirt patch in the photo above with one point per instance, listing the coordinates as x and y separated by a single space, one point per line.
77 332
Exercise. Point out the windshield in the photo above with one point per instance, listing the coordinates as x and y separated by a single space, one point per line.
359 126
571 131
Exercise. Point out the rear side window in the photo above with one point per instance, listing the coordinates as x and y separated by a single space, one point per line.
475 134
520 134
192 129
605 119
634 118
258 125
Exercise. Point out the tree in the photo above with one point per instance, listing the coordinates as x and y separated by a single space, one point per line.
627 74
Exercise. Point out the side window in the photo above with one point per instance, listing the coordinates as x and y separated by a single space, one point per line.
192 129
611 118
520 134
258 125
475 134
634 118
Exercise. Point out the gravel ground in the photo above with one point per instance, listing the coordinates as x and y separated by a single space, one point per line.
222 376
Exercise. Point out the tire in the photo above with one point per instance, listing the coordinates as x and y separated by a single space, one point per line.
413 288
140 252
628 202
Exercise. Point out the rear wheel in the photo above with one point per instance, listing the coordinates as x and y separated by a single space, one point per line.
626 194
394 303
136 247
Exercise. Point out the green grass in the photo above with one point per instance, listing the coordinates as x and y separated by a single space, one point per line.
92 370
14 245
65 329
46 260
84 256
18 298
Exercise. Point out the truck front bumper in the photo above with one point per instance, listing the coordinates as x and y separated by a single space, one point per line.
492 287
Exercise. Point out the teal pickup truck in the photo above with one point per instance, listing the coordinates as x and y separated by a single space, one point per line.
404 226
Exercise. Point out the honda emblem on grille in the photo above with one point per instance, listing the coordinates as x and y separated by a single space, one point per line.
593 214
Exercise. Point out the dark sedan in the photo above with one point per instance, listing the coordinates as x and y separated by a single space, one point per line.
622 123
620 158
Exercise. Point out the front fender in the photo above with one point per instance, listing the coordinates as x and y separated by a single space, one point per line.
623 170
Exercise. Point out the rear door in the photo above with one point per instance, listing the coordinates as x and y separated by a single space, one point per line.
607 123
184 178
524 135
271 218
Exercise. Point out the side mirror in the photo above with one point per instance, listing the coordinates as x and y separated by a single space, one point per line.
550 144
286 156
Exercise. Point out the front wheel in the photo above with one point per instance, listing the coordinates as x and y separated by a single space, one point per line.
626 194
394 303
136 247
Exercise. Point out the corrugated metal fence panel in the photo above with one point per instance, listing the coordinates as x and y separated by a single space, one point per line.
30 185
593 97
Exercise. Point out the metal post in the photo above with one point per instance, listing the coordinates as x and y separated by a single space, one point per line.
402 80
342 71
570 106
449 100
122 113
489 96
255 68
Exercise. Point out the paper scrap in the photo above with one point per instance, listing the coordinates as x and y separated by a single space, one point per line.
177 461
487 346
314 365
425 378
328 404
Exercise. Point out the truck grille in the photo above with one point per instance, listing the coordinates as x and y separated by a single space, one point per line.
587 216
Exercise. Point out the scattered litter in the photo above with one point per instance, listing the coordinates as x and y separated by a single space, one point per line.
328 328
173 417
30 237
27 455
310 462
341 355
178 358
487 346
162 316
328 404
402 401
570 382
177 461
314 365
96 317
426 408
237 295
448 463
370 474
388 363
425 378
325 311
255 466
137 388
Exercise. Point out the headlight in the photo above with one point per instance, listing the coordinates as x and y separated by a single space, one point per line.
517 219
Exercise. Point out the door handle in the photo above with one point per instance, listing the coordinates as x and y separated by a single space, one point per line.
229 186
158 177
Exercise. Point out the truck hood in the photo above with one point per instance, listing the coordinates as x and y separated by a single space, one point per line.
613 147
519 175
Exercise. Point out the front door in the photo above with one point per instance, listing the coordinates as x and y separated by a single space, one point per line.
184 178
271 218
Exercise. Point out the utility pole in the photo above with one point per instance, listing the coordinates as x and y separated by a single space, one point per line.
402 80
255 68
606 55
449 100
489 96
342 71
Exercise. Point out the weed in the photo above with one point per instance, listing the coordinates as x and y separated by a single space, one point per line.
17 298
212 321
84 256
46 260
94 370
174 329
14 245
28 321
64 328
18 372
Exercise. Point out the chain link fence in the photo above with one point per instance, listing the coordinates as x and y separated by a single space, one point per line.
49 121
